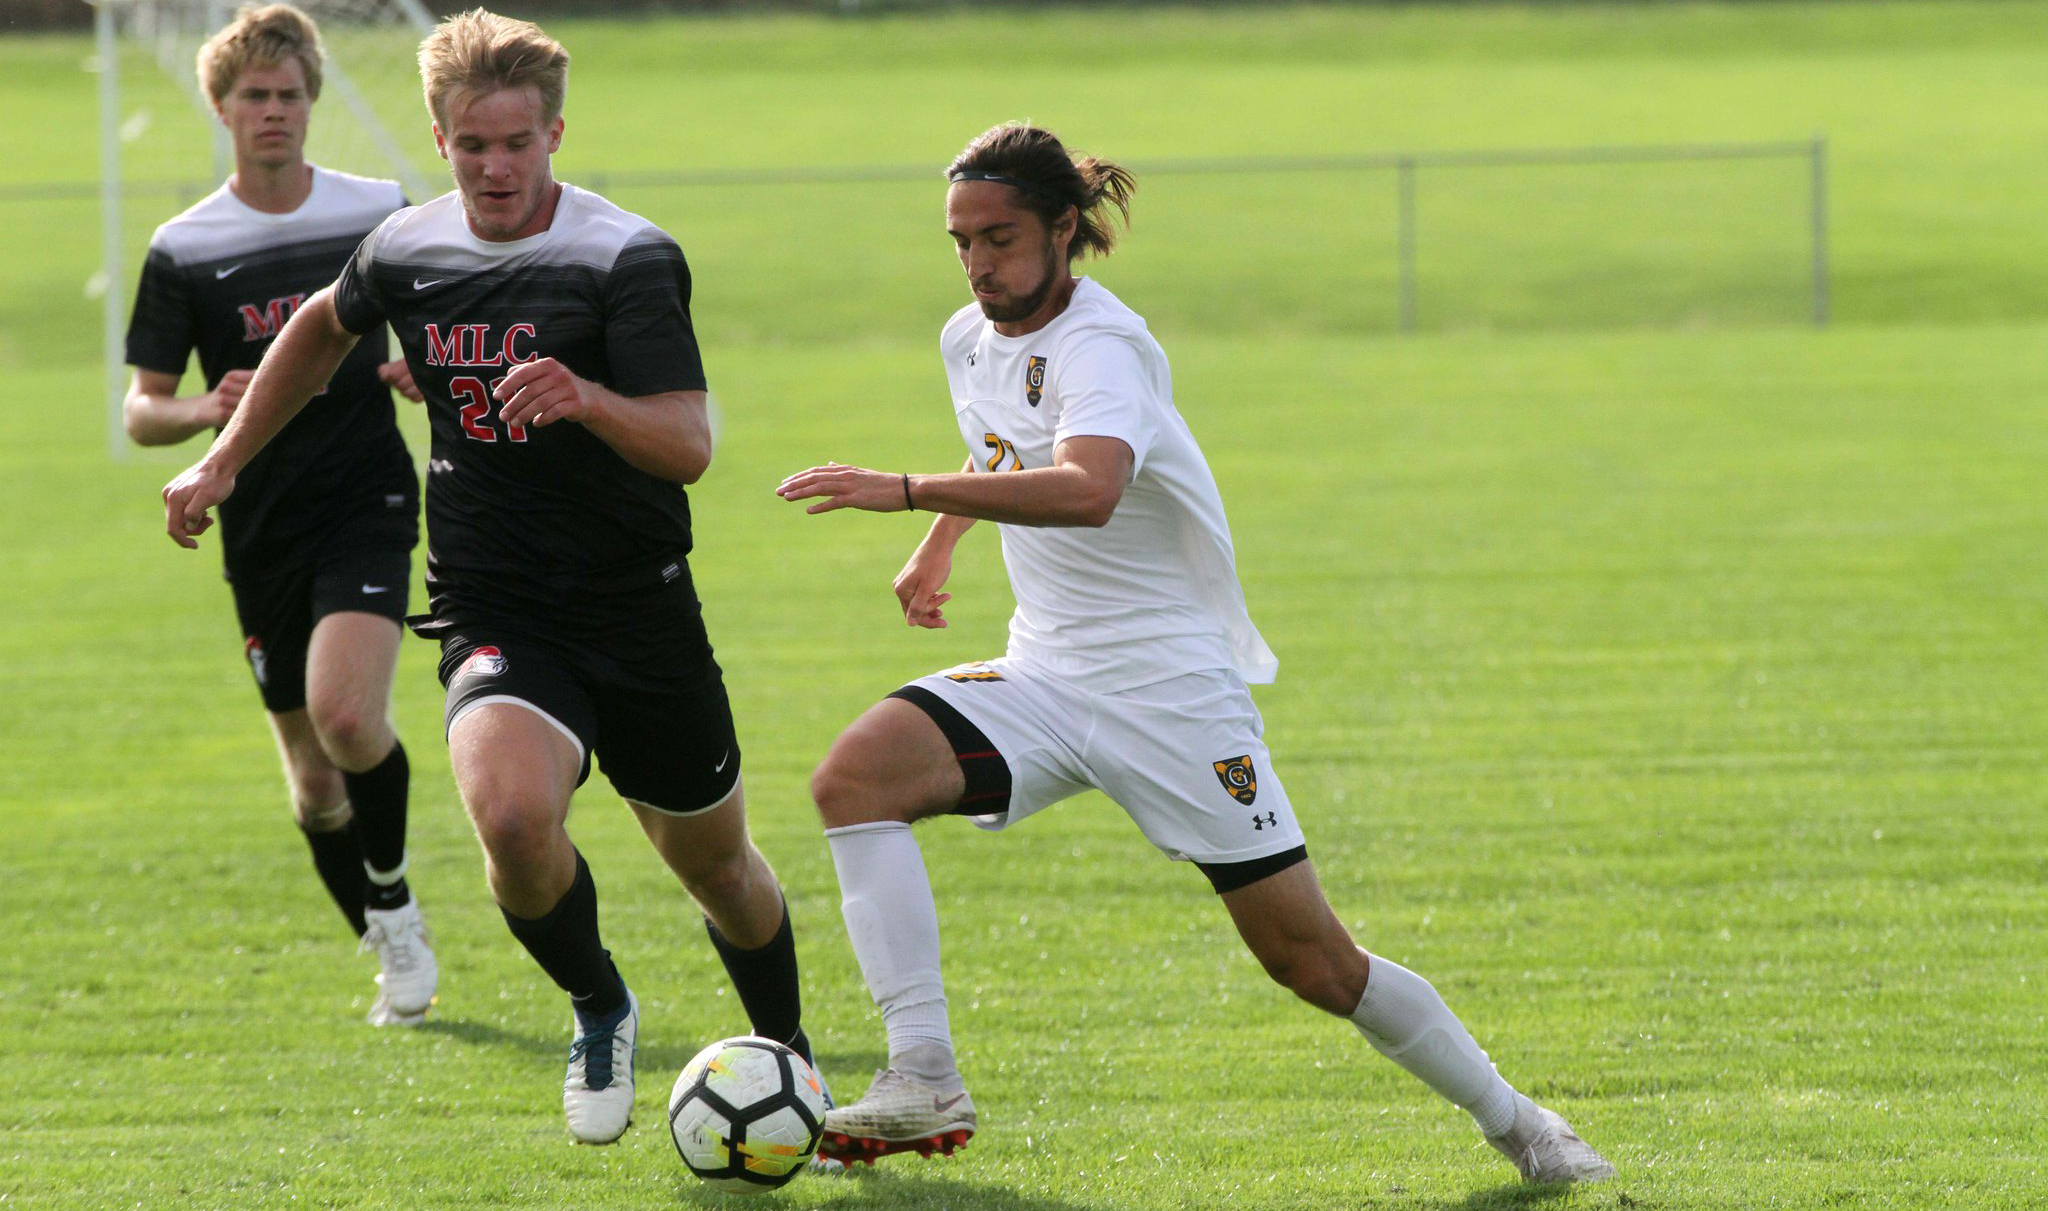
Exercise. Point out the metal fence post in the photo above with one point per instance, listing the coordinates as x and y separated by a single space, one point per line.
1404 176
1820 231
113 347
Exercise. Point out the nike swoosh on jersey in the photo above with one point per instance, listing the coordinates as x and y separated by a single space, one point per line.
376 588
419 285
218 274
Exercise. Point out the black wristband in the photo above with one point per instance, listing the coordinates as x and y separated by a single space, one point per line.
907 503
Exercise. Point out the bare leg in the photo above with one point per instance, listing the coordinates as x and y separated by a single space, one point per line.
349 666
743 908
321 809
515 773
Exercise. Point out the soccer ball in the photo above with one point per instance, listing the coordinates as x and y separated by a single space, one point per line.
746 1114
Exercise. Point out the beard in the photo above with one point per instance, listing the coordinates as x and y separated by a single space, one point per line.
1023 306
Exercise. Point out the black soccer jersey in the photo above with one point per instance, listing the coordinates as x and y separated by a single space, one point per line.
223 278
547 523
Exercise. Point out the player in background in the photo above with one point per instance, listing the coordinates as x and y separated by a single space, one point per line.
550 332
318 542
1126 671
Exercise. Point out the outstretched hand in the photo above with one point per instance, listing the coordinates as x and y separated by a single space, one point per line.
844 487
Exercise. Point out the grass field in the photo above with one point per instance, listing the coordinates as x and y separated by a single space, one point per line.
1671 694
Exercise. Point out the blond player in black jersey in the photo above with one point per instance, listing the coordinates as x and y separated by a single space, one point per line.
317 544
1126 670
550 333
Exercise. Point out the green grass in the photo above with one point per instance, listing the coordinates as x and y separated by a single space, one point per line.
1671 695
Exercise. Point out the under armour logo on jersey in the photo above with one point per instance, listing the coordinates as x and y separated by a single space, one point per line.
1034 380
1235 773
1261 823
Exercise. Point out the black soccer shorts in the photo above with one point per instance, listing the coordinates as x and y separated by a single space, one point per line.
671 747
278 609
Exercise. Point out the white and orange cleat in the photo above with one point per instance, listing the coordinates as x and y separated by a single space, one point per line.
1545 1149
899 1113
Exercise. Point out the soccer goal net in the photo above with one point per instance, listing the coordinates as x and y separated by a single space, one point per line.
161 147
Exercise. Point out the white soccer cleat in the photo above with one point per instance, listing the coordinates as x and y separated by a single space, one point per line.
1545 1149
597 1094
405 957
382 1014
899 1113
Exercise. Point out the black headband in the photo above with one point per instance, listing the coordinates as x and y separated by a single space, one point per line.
1044 191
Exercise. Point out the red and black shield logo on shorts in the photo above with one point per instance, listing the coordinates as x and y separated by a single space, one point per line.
484 662
1237 777
1034 380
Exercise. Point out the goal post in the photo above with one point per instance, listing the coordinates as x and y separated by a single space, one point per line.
370 121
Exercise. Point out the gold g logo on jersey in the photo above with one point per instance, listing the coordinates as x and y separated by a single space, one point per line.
1034 380
1237 777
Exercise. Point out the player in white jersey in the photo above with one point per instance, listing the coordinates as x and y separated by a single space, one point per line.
1128 658
317 543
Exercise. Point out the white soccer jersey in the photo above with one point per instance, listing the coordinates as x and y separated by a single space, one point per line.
1153 594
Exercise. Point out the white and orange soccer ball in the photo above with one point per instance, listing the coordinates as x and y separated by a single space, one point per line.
746 1114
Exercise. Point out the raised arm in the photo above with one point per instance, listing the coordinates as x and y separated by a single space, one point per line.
294 370
1080 488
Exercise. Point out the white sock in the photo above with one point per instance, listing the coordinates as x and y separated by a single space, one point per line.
1405 1020
893 924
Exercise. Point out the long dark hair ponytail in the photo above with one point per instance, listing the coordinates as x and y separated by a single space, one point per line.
1048 179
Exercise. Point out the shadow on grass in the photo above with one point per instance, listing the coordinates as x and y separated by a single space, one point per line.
844 1070
895 1189
483 1034
1523 1197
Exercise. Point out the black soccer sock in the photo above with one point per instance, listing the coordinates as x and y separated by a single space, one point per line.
378 795
338 856
767 984
566 945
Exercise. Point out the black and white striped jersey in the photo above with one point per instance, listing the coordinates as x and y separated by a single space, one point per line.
222 278
549 522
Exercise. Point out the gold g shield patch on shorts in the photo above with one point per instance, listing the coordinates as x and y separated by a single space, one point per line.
1235 773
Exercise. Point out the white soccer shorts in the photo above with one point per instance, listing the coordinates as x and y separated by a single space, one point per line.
1184 757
